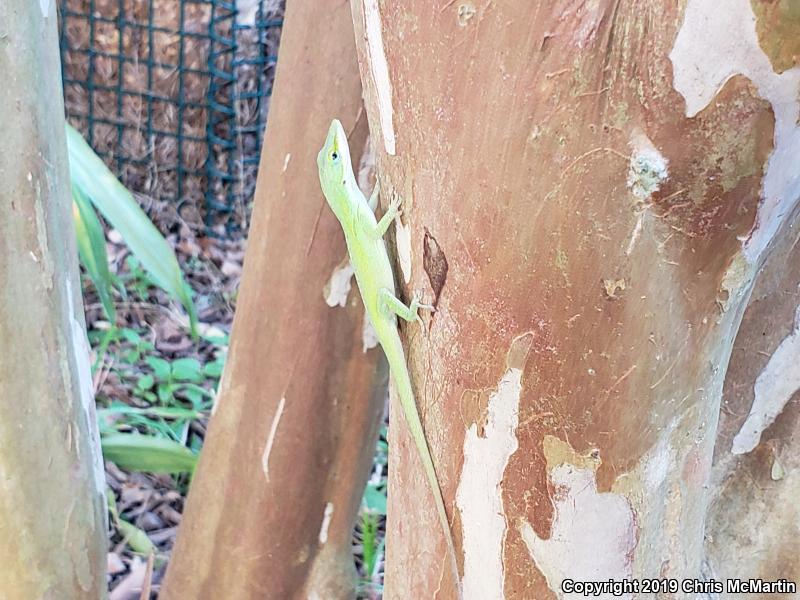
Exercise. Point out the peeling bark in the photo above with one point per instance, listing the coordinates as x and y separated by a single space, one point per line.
603 179
753 519
271 509
52 501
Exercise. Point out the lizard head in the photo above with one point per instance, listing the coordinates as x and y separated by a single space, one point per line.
334 164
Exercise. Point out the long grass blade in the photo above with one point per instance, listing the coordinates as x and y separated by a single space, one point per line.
92 250
148 454
90 175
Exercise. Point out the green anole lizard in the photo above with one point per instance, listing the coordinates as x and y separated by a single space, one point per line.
370 261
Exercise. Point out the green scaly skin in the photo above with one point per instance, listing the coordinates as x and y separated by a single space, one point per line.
373 271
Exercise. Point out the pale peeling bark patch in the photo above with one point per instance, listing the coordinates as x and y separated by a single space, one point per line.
46 262
637 231
593 535
379 68
271 438
480 496
403 240
714 45
647 489
339 284
224 384
465 12
326 522
579 20
658 465
776 384
80 349
648 167
369 337
366 167
736 282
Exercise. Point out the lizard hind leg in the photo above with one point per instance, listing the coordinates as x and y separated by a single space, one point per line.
392 304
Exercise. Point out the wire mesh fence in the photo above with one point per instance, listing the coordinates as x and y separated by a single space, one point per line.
173 94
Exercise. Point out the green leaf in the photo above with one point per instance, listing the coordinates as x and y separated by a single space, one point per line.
200 397
216 337
131 335
166 412
199 389
101 349
164 391
91 176
160 367
187 369
137 538
194 395
214 369
92 250
111 501
375 499
371 546
145 382
149 454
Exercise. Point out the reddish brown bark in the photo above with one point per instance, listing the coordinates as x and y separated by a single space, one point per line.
601 195
271 509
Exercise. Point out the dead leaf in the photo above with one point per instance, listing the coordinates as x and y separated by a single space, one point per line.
130 587
114 563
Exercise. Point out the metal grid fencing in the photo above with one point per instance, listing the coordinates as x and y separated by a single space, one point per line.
173 94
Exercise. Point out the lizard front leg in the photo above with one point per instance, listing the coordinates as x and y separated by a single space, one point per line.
390 303
390 215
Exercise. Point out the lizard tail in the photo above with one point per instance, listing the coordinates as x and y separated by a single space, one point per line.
397 365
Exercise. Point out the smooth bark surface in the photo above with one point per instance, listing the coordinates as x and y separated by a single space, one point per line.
753 528
589 189
271 508
52 500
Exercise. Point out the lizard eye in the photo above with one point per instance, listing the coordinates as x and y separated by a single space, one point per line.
334 155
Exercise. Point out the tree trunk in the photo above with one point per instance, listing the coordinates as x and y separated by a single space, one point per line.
753 520
589 190
272 506
52 503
